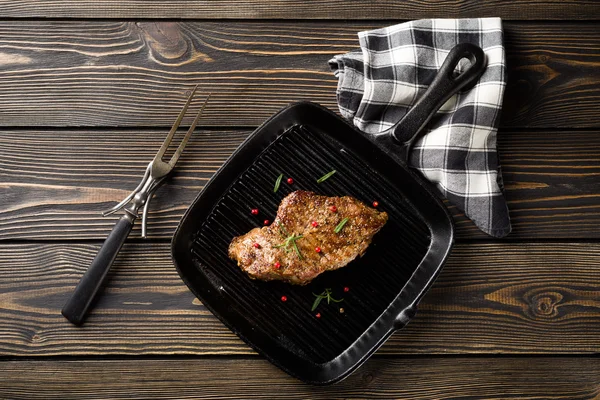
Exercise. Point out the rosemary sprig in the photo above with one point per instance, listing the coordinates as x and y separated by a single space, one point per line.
326 294
326 176
296 247
277 183
289 240
339 226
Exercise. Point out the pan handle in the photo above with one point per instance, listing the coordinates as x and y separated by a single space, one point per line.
444 86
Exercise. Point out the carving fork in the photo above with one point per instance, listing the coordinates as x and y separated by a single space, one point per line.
157 171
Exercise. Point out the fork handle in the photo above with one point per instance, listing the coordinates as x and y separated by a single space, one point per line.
90 284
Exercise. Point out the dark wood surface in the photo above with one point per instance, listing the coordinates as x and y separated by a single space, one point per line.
250 378
509 298
293 9
55 179
86 98
114 73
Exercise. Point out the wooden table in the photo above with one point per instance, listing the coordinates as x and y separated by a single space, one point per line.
87 92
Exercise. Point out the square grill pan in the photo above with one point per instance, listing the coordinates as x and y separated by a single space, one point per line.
305 141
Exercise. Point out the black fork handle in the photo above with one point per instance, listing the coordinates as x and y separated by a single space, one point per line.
90 284
444 86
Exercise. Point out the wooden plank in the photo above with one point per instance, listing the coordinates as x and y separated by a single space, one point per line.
55 183
112 73
491 298
406 378
336 9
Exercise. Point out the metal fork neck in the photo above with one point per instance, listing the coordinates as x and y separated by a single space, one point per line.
138 198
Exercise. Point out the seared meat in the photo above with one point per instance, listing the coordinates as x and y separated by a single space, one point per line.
301 243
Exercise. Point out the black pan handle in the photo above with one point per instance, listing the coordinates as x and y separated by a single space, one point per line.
444 86
78 305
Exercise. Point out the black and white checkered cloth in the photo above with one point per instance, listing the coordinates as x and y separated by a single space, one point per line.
380 82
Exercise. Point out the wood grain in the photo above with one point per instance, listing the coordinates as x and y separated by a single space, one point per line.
111 73
491 298
55 183
149 337
336 9
405 378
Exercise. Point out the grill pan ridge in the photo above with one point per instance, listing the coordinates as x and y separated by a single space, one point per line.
305 141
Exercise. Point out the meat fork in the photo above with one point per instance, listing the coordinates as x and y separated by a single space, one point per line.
156 173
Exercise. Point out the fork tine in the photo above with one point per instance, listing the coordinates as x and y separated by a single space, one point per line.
161 152
183 143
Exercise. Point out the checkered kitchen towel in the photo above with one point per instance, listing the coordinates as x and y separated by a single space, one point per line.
380 82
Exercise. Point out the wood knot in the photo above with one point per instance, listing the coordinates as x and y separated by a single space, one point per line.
169 45
543 59
36 338
368 378
543 304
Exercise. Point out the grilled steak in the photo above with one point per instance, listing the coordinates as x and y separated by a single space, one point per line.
302 242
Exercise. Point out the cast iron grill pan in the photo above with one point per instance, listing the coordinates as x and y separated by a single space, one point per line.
288 334
304 141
